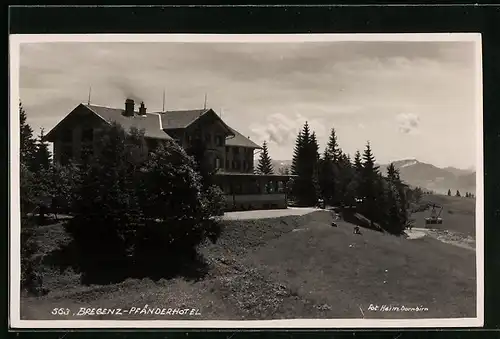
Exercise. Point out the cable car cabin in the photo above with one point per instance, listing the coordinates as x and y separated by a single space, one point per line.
435 218
433 221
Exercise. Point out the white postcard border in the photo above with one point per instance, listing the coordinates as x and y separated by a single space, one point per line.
15 276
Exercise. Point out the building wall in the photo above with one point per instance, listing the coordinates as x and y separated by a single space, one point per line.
69 143
239 159
213 135
212 132
255 201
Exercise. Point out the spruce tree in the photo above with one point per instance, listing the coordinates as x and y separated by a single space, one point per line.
449 192
332 150
369 178
315 157
329 171
265 166
344 177
304 166
458 193
42 156
27 141
398 201
296 153
358 165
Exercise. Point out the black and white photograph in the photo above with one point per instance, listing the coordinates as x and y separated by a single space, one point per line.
246 181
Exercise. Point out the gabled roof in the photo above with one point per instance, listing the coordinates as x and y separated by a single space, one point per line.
150 122
241 141
180 119
157 124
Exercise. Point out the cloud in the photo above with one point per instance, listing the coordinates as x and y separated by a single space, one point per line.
408 123
282 130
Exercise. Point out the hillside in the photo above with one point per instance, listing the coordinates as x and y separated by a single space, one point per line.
430 177
287 267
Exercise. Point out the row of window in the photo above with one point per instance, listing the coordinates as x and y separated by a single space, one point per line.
255 188
238 165
236 150
219 140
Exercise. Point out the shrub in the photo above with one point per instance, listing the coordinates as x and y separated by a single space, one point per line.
133 213
106 209
179 214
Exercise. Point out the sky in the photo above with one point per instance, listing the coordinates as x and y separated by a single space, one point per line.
410 100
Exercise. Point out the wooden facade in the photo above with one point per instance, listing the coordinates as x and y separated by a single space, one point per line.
227 150
253 191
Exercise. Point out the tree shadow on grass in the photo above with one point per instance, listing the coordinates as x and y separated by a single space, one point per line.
355 219
187 263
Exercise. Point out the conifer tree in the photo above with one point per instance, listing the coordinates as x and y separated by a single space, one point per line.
265 166
369 177
398 202
332 150
449 192
42 156
28 144
329 175
458 193
305 187
296 153
358 165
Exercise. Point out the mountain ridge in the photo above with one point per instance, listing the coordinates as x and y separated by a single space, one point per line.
419 174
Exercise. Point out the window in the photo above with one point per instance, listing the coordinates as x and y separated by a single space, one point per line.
219 141
236 150
217 163
281 187
236 164
227 164
88 135
227 149
244 165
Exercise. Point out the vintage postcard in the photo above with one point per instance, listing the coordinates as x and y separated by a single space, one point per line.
246 181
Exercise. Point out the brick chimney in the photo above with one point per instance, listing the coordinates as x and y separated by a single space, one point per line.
142 109
129 108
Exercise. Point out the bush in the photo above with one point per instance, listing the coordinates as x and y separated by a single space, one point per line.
132 213
31 278
179 214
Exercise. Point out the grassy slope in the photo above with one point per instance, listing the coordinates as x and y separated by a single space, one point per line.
264 269
458 213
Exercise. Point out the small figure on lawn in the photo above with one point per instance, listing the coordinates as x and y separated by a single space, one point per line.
357 230
334 224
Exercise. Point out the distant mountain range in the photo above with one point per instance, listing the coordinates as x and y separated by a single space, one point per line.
428 176
416 173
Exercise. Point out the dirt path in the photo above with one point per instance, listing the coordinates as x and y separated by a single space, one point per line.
264 214
445 236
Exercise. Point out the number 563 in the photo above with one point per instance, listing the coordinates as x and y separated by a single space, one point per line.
60 311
